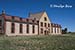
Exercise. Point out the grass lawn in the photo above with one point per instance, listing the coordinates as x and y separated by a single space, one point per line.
48 42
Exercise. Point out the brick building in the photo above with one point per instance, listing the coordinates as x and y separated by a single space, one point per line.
35 24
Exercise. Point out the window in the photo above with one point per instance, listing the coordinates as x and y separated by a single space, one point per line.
37 21
41 24
27 28
48 25
45 24
33 29
20 28
45 32
21 19
33 21
52 30
55 30
27 20
48 30
42 30
12 17
0 28
0 22
34 18
12 28
45 19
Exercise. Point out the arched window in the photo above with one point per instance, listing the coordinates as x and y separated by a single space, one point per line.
45 19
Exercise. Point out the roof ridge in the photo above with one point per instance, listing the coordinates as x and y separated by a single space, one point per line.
37 12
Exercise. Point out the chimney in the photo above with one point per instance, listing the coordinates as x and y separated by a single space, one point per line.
3 12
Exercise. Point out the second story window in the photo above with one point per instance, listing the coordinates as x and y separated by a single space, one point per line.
37 21
45 25
13 17
33 21
48 25
34 18
21 19
27 20
41 24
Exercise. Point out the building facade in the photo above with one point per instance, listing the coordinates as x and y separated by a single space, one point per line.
35 24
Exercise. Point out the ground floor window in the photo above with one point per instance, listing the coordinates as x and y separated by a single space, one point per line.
0 22
21 28
55 30
48 30
33 29
12 28
52 30
27 30
42 30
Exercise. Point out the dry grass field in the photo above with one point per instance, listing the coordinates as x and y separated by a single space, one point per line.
45 42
